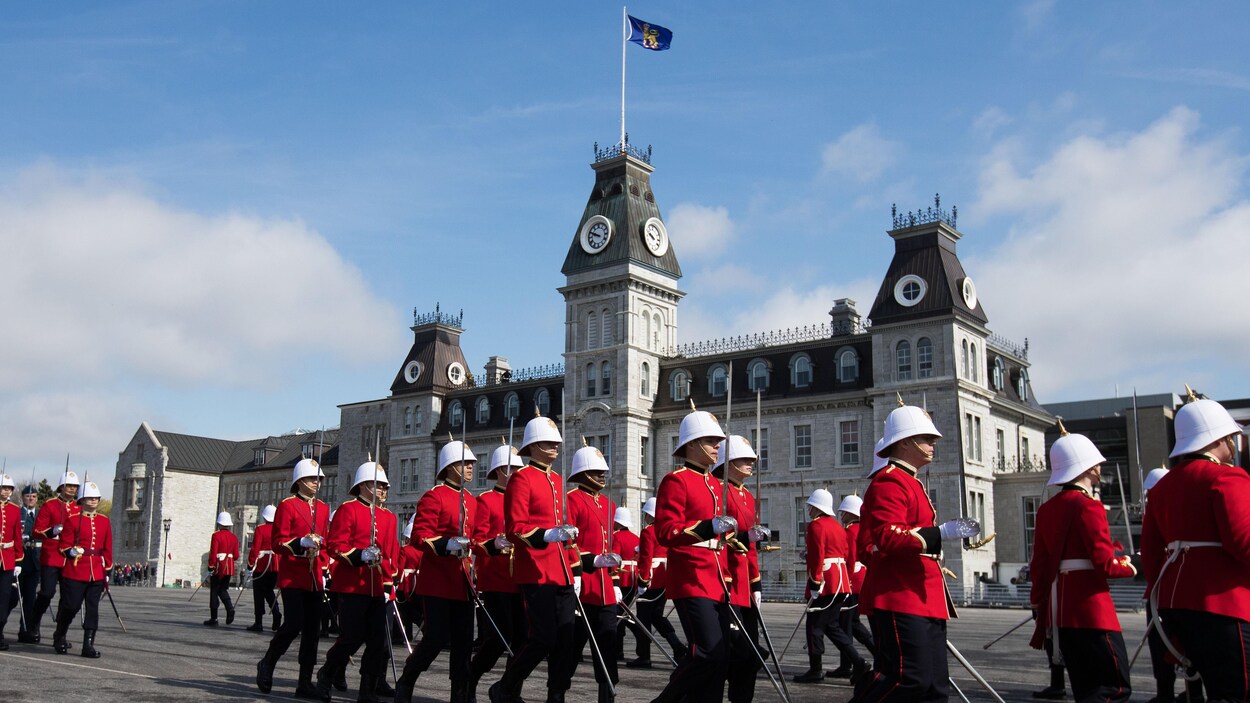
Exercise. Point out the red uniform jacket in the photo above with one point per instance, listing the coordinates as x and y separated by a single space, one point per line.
494 567
93 534
443 574
625 543
652 560
223 551
688 499
11 550
260 556
409 565
903 572
1072 550
827 557
592 516
293 521
744 563
858 570
52 514
349 534
531 506
1200 501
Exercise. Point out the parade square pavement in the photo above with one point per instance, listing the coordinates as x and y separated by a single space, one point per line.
169 655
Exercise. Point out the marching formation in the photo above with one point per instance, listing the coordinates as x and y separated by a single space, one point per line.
543 564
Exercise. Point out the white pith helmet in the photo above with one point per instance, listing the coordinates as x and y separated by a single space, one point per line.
851 504
878 462
305 468
697 425
6 481
821 500
1152 478
224 519
268 513
367 472
1199 423
540 429
504 455
69 478
1070 456
623 518
91 490
588 459
648 508
738 447
454 452
903 422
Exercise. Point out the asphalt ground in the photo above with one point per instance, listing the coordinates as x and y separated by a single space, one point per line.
169 656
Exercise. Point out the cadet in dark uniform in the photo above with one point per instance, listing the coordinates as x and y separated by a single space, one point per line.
28 579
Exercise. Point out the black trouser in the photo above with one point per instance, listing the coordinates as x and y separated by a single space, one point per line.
745 654
849 620
28 585
448 624
219 592
549 635
1097 664
650 610
263 595
1164 672
73 594
627 596
822 622
7 599
508 612
362 620
49 578
1217 645
911 659
700 677
410 612
601 620
303 620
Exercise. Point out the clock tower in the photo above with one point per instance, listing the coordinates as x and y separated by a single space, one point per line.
621 298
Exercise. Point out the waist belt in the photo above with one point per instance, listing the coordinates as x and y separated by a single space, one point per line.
92 552
659 561
265 553
1186 544
34 544
707 544
828 563
6 545
1176 551
629 563
1075 565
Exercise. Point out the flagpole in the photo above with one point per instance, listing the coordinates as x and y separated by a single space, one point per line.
624 41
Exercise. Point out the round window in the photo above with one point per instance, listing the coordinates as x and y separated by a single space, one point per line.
910 290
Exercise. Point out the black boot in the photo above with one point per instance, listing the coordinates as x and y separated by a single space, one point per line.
606 695
366 694
256 627
323 683
403 689
28 637
814 673
59 645
88 645
339 680
277 619
859 670
554 696
264 674
842 672
459 692
229 616
383 689
305 688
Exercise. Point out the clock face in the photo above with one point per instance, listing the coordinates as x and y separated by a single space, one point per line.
969 290
655 236
596 234
412 371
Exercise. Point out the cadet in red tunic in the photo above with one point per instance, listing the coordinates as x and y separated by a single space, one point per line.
363 544
534 519
691 518
653 581
86 542
500 596
1072 560
828 588
48 525
441 530
300 526
848 618
625 543
592 514
11 549
904 592
223 552
264 567
1196 547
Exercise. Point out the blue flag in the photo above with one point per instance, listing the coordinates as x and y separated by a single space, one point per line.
649 36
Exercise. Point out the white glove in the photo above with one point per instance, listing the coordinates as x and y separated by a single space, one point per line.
759 533
458 545
608 561
722 524
563 533
620 598
74 552
758 597
17 571
56 531
221 556
310 541
371 554
502 543
960 528
577 587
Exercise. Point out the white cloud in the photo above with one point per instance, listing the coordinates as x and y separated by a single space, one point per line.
1124 261
861 154
727 277
788 307
699 230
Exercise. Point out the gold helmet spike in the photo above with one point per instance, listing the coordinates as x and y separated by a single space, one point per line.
584 444
450 438
502 440
1190 396
692 407
1063 431
537 412
368 456
900 399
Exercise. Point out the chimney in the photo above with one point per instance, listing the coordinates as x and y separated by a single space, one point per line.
843 318
498 370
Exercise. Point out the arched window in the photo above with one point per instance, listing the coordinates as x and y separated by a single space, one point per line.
848 366
758 375
417 418
902 355
680 385
974 368
717 380
646 330
999 375
511 406
483 410
644 380
542 400
592 330
924 357
801 370
609 328
592 380
657 331
455 414
963 359
1022 385
607 378
408 420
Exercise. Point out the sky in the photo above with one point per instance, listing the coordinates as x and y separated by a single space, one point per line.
218 217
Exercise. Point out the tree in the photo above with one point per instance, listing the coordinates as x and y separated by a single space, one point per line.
106 507
45 491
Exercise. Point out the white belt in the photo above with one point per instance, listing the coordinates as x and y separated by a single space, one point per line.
659 561
859 567
407 573
265 553
828 563
1176 550
629 563
1186 544
221 556
707 544
6 545
1075 565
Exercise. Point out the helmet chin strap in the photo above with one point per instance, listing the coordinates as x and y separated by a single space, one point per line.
926 454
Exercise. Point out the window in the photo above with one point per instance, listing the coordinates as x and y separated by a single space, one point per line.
455 414
924 357
963 359
902 353
403 475
976 508
644 380
603 443
592 380
644 455
761 448
656 328
998 374
542 400
608 329
1030 505
1022 385
757 375
592 330
672 449
717 379
607 378
848 366
974 373
802 446
258 457
483 411
138 494
972 437
646 329
416 418
511 406
1024 449
680 381
848 432
330 488
801 371
800 523
1000 446
408 420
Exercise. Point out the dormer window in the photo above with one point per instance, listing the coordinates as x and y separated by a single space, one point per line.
483 411
801 370
258 457
455 414
758 375
999 374
511 406
848 366
1022 385
680 385
717 380
542 399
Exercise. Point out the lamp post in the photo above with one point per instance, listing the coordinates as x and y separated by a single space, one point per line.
165 554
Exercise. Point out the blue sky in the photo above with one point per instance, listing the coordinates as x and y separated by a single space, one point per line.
217 217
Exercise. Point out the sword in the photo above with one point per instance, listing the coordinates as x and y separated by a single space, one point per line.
115 613
742 630
797 625
975 674
1017 626
395 609
197 589
630 613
